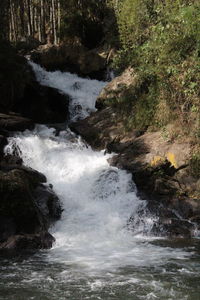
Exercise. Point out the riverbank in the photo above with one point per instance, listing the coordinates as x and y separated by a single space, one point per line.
160 164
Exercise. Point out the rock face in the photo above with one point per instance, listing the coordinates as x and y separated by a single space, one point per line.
15 74
9 123
21 93
70 57
14 122
27 207
117 87
42 104
159 166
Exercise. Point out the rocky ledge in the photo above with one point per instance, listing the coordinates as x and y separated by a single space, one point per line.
160 167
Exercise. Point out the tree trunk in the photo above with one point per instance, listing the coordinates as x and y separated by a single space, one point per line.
54 22
21 8
30 30
59 21
12 17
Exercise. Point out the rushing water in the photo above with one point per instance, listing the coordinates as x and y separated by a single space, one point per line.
96 255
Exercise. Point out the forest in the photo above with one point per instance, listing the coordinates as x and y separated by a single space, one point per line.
49 21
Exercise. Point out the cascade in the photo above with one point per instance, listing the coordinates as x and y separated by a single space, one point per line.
95 250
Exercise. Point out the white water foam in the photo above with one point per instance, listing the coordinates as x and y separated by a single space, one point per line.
98 199
82 91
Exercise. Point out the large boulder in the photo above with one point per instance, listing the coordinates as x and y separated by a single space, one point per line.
119 87
21 93
27 207
15 74
42 104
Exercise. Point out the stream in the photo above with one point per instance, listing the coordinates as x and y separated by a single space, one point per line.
96 254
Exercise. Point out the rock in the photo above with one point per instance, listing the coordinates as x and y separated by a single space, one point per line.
21 93
100 128
25 45
48 203
13 160
14 122
27 207
71 57
17 201
43 104
15 74
173 228
43 240
118 87
3 143
10 163
7 228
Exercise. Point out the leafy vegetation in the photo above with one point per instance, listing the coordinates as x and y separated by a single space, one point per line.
161 41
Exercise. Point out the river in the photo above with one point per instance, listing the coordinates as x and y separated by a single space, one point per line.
96 254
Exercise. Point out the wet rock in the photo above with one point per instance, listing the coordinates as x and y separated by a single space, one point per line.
21 93
3 143
13 163
42 240
48 203
173 228
7 228
100 128
14 160
17 201
15 74
27 207
14 122
43 104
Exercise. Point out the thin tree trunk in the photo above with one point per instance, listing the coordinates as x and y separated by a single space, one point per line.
43 33
39 27
13 29
30 30
54 22
21 8
59 21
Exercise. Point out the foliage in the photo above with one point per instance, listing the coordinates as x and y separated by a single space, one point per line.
84 20
195 165
161 40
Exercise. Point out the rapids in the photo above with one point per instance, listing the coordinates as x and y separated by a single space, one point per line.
96 255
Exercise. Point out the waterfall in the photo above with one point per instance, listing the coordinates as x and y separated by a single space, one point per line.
93 236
